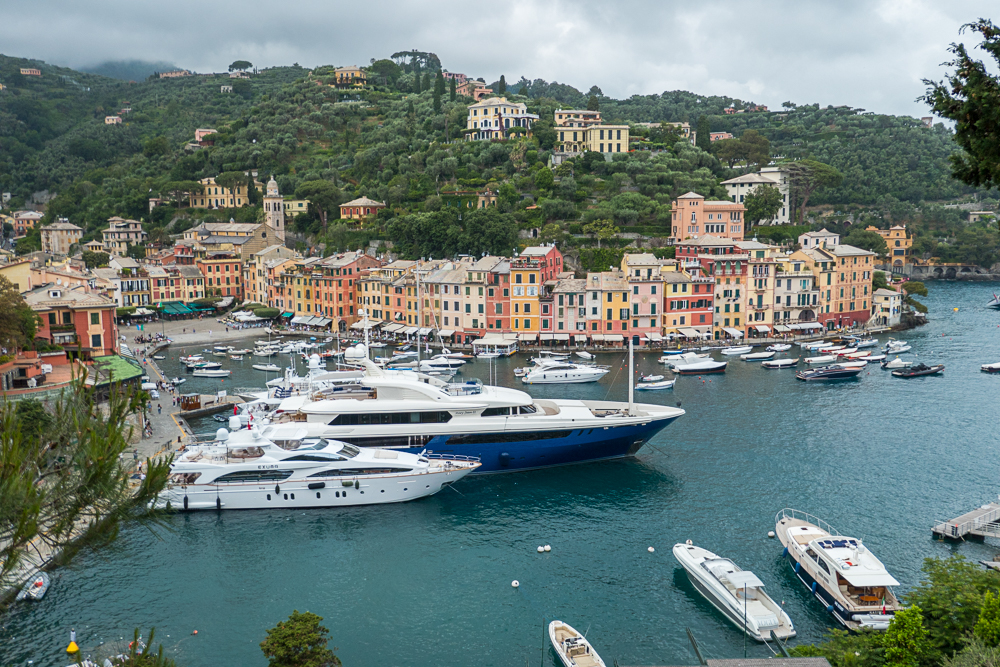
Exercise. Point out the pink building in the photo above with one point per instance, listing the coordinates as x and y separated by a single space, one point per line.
693 217
459 78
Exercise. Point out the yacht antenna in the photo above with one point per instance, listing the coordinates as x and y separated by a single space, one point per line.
631 380
420 313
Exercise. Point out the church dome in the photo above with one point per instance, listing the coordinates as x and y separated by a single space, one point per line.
272 187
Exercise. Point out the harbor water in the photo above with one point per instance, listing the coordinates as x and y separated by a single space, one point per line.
429 582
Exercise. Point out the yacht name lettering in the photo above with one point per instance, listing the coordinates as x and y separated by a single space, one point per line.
266 467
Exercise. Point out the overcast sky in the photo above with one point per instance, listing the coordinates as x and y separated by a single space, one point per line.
865 53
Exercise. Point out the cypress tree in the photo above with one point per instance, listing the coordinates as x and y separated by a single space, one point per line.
453 95
502 86
427 81
704 130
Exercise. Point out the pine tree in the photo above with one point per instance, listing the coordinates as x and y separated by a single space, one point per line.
502 86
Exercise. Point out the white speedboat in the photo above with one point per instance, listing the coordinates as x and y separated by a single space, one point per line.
701 367
872 358
778 347
857 354
653 386
757 356
572 647
177 381
896 346
487 355
851 364
685 358
441 362
204 365
822 359
270 368
840 571
846 351
862 343
245 469
158 357
651 378
211 373
236 357
780 363
737 593
733 351
563 373
896 363
583 354
990 368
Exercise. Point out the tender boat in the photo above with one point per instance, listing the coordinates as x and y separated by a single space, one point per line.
671 353
584 355
572 648
35 588
896 346
270 368
836 372
757 356
240 351
563 373
652 386
211 373
778 347
701 367
840 571
780 363
990 368
852 364
245 469
822 359
872 358
856 355
920 370
733 351
847 351
827 349
236 357
896 363
177 381
737 593
204 365
219 353
487 355
652 378
862 343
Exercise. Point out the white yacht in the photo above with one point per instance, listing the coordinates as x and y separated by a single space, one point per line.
737 593
505 428
840 571
555 372
247 470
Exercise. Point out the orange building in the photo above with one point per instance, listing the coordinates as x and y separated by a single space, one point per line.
223 273
693 217
360 208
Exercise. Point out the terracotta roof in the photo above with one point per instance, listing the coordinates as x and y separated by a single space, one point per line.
363 201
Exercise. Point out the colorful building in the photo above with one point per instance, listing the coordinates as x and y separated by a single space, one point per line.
60 236
360 208
223 273
81 321
121 234
692 216
494 117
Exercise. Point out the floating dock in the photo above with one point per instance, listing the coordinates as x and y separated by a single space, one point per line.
980 523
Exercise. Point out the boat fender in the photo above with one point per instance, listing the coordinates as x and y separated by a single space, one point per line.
829 608
218 503
185 502
813 587
504 458
784 554
317 485
277 489
797 566
357 485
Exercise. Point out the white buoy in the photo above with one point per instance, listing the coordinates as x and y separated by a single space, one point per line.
515 583
548 547
650 549
541 549
770 533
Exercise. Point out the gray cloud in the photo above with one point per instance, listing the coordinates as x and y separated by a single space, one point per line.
869 54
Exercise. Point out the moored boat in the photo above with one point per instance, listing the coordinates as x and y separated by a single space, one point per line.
701 367
920 370
995 302
572 647
563 373
893 346
840 571
778 347
35 588
872 358
211 373
757 356
683 358
780 363
862 343
738 594
835 372
583 354
651 378
822 359
270 368
896 363
653 386
733 351
990 368
177 381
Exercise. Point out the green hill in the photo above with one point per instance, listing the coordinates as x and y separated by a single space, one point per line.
130 70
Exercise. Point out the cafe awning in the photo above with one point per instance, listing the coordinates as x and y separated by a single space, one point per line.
597 338
614 338
735 333
810 325
762 327
561 337
410 330
392 328
527 336
781 328
444 333
424 331
545 337
580 338
655 337
688 332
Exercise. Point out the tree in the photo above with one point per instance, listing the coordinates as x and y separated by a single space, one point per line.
253 197
70 488
879 281
729 151
808 176
438 92
94 260
987 629
905 641
241 65
18 323
523 91
544 179
136 251
502 86
755 148
762 203
873 241
156 146
322 195
426 84
299 642
703 138
452 94
971 98
593 104
32 418
915 287
230 179
386 70
604 230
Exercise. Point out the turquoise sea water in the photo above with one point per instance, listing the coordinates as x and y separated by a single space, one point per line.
428 582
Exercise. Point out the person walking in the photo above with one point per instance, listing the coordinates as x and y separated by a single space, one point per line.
159 409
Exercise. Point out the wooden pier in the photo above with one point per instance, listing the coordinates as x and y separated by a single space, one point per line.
980 523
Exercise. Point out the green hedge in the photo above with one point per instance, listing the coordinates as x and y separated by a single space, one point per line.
266 313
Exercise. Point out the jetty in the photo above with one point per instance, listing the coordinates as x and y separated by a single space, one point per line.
980 523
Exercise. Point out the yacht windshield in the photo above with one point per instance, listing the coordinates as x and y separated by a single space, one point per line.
349 451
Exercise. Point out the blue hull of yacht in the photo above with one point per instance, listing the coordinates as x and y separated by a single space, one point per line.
500 452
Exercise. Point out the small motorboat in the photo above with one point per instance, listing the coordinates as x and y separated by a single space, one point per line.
236 357
836 372
852 364
896 363
241 351
35 588
757 356
487 355
829 349
780 363
733 351
204 365
653 386
872 358
857 354
159 357
177 381
211 373
670 353
686 358
920 370
219 353
846 351
651 378
270 368
701 367
778 347
822 359
737 593
995 302
862 343
221 348
896 347
572 647
378 345
584 354
990 368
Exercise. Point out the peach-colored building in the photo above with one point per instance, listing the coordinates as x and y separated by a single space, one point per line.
360 208
477 90
201 133
31 71
718 136
112 120
693 217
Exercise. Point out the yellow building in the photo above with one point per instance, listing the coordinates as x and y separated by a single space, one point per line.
582 130
608 306
525 289
350 77
494 117
58 237
898 243
843 275
216 196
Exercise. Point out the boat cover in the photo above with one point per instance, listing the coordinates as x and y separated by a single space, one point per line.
744 579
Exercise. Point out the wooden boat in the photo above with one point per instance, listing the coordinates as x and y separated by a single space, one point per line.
701 367
652 386
780 363
572 648
990 368
35 588
920 370
757 356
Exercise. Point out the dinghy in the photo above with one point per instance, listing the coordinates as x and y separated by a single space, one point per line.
270 368
35 588
572 647
205 373
652 386
651 378
822 359
701 367
584 355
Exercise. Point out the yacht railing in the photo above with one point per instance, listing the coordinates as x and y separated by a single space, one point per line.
452 457
789 513
469 388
